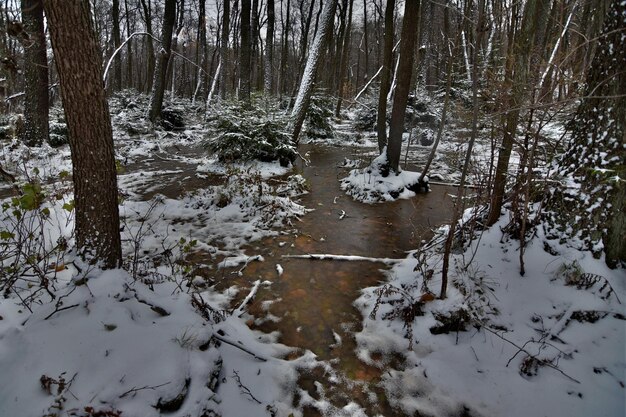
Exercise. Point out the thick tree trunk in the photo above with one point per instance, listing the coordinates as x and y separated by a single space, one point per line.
308 78
36 126
79 64
160 74
401 94
590 206
244 55
385 77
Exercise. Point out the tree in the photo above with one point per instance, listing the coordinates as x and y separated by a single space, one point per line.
79 65
308 78
244 55
269 48
401 94
592 207
160 73
385 80
520 67
224 61
117 63
36 126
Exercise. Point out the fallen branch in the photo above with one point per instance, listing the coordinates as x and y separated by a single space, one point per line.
249 298
324 257
238 346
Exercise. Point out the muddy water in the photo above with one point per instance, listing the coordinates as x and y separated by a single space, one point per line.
310 304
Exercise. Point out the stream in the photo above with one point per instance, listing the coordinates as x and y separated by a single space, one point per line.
310 304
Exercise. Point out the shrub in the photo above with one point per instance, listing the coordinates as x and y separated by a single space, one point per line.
250 134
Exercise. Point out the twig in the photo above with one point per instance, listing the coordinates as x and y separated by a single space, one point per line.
243 388
522 349
132 390
238 346
56 310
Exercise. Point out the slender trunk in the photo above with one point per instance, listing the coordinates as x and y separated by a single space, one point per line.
129 49
147 11
269 48
224 58
36 126
460 204
343 68
117 63
244 57
385 78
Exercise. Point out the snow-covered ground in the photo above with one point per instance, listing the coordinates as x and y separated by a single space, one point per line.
109 343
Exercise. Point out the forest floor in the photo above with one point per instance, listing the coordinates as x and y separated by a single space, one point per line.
213 315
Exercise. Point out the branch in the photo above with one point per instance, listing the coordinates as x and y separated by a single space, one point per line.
323 257
238 346
522 349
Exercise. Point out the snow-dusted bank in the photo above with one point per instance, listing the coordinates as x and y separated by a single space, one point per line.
549 343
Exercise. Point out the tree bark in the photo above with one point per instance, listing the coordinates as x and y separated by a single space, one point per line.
117 62
36 99
385 77
79 65
590 205
147 12
308 78
343 65
160 73
401 94
269 48
224 59
244 55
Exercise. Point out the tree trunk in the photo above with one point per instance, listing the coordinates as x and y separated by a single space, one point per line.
160 73
523 58
225 62
590 205
385 77
401 94
117 62
79 64
147 12
284 55
269 48
129 49
343 66
308 78
36 124
244 56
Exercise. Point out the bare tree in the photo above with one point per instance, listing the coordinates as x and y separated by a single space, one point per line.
79 64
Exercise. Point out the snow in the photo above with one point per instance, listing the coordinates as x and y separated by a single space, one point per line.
369 186
478 368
